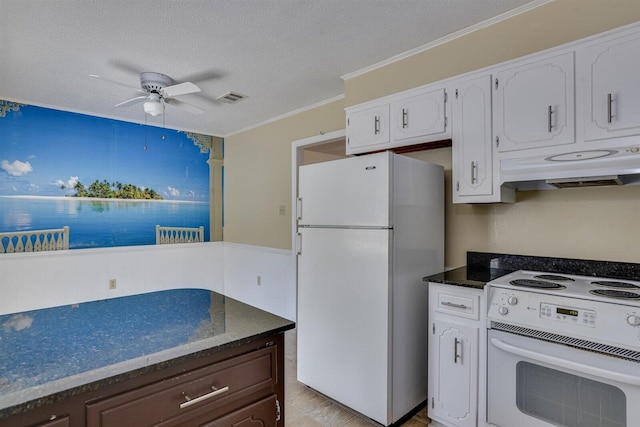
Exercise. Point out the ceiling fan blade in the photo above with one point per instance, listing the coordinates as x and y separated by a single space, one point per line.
204 76
125 66
184 106
132 101
137 89
180 89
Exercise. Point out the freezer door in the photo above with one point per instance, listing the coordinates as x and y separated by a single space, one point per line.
347 192
343 317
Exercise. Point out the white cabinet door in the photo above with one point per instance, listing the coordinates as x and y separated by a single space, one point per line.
367 129
472 142
454 367
535 104
420 115
612 88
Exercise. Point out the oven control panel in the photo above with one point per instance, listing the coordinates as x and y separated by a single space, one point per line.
597 321
577 316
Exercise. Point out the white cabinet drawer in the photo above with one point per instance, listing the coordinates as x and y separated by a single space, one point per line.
458 304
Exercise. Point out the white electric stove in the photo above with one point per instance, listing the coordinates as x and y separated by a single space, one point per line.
563 350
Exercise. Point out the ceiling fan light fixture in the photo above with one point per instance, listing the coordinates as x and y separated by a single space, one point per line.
153 108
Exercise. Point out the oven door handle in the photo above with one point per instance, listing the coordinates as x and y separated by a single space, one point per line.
567 364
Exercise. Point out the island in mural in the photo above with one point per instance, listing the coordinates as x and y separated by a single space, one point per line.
116 190
111 182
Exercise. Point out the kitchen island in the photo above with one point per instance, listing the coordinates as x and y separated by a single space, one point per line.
175 357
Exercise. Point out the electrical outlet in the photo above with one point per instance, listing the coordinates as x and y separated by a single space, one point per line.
259 280
283 210
112 283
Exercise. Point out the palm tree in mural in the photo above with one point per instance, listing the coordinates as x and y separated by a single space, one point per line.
80 190
117 190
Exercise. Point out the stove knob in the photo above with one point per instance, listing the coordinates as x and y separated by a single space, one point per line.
633 320
512 300
503 310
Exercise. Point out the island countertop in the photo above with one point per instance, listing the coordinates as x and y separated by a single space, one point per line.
50 354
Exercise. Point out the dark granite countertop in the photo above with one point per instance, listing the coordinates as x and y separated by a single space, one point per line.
482 267
468 277
66 350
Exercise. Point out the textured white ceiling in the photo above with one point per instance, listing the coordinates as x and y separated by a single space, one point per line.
284 54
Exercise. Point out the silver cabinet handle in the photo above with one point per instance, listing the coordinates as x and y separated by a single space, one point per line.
609 114
299 208
456 356
299 243
550 121
405 118
474 172
376 125
190 401
451 304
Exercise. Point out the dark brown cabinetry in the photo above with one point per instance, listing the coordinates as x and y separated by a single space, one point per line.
56 422
241 386
213 390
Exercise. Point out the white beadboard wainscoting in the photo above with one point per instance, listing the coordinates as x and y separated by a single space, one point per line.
47 279
276 292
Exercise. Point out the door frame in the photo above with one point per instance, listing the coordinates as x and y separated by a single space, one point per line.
297 159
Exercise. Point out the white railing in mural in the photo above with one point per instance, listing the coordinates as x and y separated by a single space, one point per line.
170 235
35 240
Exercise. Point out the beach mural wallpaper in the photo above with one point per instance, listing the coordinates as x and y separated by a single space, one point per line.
109 181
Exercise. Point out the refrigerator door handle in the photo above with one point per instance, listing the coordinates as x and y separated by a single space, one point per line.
299 208
299 244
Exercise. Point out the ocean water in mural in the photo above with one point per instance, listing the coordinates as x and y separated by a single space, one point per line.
111 182
99 223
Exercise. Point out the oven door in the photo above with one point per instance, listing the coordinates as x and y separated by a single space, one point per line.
533 383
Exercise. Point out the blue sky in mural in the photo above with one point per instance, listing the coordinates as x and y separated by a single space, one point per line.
43 149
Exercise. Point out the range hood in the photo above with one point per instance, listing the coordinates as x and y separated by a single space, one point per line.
587 168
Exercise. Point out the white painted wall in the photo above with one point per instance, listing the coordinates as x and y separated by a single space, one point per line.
47 279
276 292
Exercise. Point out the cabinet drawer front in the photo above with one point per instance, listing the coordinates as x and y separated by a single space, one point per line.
210 387
261 413
458 304
58 422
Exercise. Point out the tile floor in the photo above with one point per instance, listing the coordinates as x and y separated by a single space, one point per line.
307 408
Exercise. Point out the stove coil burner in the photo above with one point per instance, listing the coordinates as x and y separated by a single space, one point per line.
554 277
529 283
613 293
612 284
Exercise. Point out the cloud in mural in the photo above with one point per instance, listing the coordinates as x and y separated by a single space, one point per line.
70 183
173 192
17 168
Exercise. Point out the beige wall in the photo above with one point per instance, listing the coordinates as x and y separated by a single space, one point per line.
553 24
575 223
588 223
258 176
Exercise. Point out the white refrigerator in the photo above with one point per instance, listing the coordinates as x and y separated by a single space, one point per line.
369 229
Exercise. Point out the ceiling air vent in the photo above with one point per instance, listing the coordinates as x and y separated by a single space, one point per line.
231 97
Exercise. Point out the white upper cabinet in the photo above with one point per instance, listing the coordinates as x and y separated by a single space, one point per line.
412 117
612 88
472 143
368 128
534 104
420 114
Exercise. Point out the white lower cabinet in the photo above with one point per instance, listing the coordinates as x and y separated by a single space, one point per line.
454 338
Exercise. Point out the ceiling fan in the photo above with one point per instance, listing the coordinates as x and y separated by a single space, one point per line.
160 90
